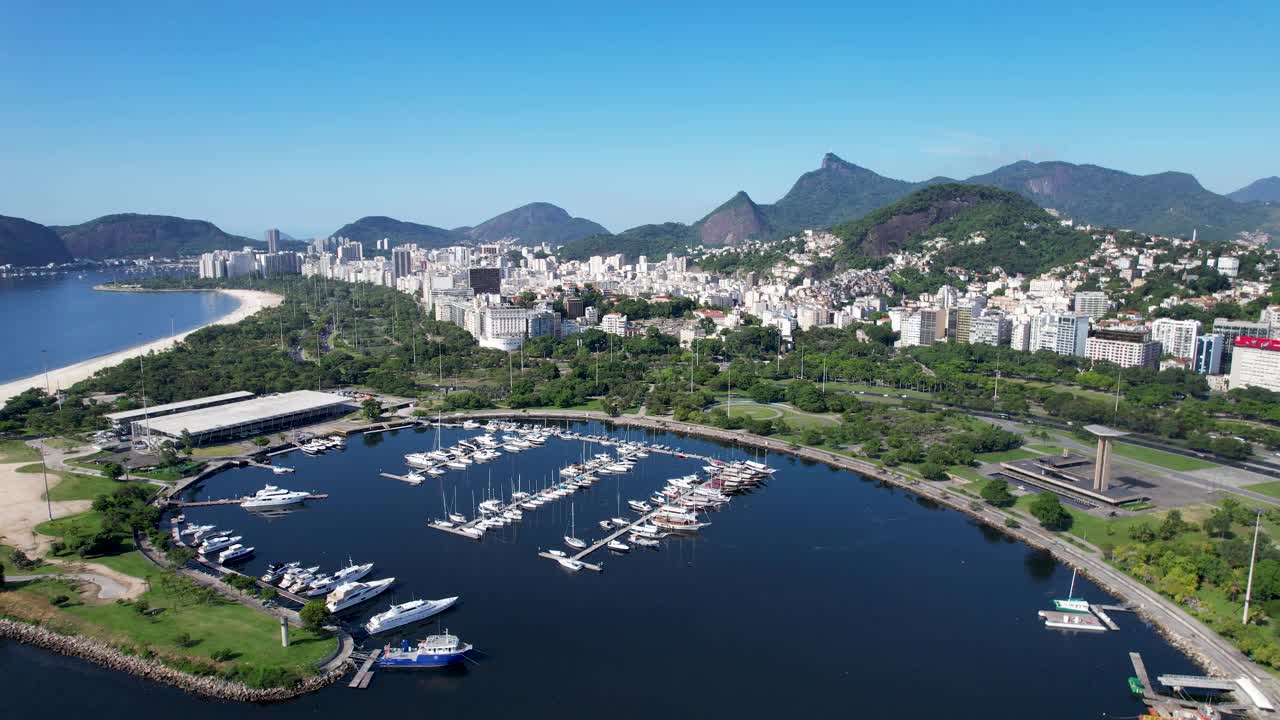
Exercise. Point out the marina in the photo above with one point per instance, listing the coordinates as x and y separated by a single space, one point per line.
810 527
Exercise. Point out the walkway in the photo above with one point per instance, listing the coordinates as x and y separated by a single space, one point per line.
108 588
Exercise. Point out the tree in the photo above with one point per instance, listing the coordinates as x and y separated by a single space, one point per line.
1219 523
933 471
1046 508
168 455
372 409
996 492
187 444
315 615
113 471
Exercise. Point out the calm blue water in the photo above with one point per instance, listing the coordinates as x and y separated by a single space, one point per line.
67 318
823 594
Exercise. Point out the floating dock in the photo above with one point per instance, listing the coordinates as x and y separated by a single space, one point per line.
365 673
1071 621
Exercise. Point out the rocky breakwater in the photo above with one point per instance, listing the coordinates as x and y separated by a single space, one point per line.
151 669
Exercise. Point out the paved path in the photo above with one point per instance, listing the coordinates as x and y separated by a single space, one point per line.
108 588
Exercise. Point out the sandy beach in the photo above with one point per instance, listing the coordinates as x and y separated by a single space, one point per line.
251 301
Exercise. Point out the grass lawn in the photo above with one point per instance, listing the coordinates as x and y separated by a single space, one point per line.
75 486
219 450
1267 488
1007 456
83 524
63 443
1081 392
254 637
1161 458
855 387
754 411
14 451
966 473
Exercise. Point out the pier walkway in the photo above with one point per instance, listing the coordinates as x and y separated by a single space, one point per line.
233 501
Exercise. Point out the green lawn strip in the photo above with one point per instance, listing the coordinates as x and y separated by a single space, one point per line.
253 636
1267 488
86 523
1161 458
15 451
966 473
218 451
1007 456
856 387
754 411
75 486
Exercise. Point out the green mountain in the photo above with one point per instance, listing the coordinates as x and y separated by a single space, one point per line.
1019 235
1165 203
534 224
131 235
1264 190
736 220
23 242
836 192
369 230
654 241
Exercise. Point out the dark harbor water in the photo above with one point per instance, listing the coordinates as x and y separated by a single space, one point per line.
65 316
822 594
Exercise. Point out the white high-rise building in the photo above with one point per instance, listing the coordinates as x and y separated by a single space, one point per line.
920 328
990 329
1176 337
1093 303
614 324
1063 333
1256 363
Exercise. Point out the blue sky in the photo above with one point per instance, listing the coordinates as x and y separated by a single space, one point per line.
307 116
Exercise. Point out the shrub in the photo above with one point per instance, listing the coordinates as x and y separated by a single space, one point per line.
58 600
222 654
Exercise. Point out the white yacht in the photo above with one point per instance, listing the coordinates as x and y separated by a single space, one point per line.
406 613
215 544
272 496
435 471
353 593
233 553
350 573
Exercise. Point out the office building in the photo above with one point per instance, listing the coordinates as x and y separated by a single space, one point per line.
1207 359
573 307
1256 363
1231 330
401 261
1092 303
273 241
1176 337
1124 348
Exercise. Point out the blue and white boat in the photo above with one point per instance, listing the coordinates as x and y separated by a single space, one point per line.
435 651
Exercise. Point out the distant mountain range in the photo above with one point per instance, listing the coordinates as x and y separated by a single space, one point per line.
836 192
839 191
531 224
1265 190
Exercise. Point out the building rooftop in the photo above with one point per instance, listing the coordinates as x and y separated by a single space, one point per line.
266 407
126 416
1104 431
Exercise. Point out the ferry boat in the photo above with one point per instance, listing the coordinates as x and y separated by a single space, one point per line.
272 496
234 553
353 593
406 613
434 651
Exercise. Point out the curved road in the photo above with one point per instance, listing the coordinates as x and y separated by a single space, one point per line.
108 588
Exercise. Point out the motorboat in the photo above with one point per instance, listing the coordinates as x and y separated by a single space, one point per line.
353 593
643 541
406 613
219 543
456 465
234 553
435 471
617 546
570 564
457 517
276 571
606 525
415 478
272 496
639 506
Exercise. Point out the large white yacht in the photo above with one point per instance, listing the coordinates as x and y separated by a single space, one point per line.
353 593
272 496
406 613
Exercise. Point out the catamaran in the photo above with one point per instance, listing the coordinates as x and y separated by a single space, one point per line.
406 613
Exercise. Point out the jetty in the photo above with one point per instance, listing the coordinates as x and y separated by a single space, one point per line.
365 673
1243 688
401 478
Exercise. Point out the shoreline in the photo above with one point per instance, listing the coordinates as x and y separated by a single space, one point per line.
251 301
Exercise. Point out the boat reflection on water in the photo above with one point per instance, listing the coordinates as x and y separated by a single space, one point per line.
275 512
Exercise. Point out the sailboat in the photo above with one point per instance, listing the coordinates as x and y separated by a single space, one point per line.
1072 603
569 539
455 515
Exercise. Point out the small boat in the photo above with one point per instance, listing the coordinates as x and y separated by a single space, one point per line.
617 546
639 506
558 553
643 541
569 539
281 470
456 465
620 522
435 471
433 652
415 478
1072 603
606 525
457 517
570 564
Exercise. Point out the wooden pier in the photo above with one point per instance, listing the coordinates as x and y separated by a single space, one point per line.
234 501
365 673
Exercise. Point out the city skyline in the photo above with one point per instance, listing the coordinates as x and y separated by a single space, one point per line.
626 116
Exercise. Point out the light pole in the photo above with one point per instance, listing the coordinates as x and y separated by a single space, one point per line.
44 361
48 504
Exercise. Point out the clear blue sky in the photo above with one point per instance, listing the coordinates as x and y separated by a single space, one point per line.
308 115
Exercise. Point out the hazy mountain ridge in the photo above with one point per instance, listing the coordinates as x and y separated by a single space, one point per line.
23 242
1263 190
535 224
128 235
